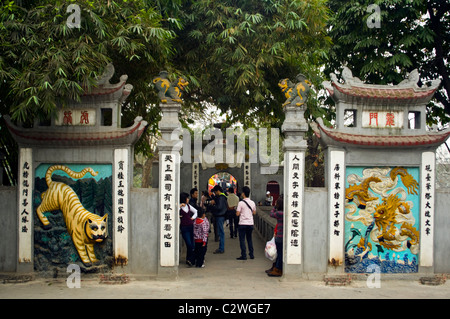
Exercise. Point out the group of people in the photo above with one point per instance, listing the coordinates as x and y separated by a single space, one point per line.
194 228
195 225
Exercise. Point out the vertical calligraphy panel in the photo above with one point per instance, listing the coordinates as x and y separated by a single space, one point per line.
168 184
121 193
427 181
247 172
293 203
195 176
25 205
336 188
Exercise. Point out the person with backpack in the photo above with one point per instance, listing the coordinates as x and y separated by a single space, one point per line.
245 211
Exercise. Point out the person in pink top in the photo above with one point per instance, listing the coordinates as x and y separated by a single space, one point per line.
245 211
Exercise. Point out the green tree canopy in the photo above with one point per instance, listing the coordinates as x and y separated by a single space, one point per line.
411 34
44 61
235 52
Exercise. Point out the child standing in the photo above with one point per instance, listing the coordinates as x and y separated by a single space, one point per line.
201 230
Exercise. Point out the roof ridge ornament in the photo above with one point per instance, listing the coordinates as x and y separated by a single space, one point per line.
410 81
349 78
104 87
107 74
353 90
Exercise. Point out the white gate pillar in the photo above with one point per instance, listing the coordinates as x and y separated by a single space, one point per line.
335 182
427 204
294 147
169 190
25 211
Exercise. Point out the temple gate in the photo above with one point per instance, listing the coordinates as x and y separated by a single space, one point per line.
75 175
380 173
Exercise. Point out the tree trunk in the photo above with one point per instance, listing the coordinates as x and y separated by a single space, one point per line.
147 172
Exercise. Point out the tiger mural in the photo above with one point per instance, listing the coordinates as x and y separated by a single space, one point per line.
84 227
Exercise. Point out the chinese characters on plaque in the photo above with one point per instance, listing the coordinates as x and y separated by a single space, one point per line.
121 203
427 208
336 195
378 119
293 203
25 204
76 117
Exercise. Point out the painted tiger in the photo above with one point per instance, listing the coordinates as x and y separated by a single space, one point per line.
84 227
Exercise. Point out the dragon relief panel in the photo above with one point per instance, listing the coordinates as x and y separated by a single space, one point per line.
382 219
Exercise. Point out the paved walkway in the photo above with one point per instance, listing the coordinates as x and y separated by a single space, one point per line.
224 277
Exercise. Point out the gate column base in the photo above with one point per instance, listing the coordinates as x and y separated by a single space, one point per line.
169 273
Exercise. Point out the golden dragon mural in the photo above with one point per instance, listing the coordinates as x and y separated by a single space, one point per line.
379 202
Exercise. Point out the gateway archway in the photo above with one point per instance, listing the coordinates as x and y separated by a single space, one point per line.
222 264
204 178
224 180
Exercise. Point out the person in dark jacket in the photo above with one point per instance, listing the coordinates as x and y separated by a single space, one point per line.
193 201
220 208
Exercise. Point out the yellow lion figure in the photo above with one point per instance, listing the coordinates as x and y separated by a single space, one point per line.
167 90
296 94
84 227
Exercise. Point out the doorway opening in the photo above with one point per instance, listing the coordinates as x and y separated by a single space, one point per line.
273 191
224 180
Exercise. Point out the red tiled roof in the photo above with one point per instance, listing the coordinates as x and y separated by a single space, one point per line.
384 93
331 136
75 137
